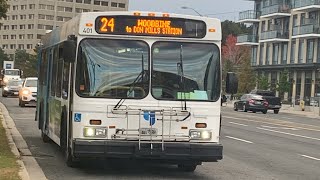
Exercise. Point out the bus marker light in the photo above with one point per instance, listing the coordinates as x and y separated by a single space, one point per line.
165 15
95 122
201 125
212 30
184 127
112 127
89 24
151 14
136 14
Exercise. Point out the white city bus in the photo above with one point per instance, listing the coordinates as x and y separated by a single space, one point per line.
133 85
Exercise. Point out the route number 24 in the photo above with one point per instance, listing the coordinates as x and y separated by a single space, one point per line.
107 25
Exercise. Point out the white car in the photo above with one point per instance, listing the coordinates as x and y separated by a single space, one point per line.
28 92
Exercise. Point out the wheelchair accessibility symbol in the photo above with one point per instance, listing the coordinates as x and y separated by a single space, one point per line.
150 116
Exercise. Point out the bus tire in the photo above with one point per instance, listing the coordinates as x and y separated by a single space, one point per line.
66 150
45 138
187 167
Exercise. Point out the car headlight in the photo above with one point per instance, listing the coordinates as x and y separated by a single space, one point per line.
6 88
94 132
5 80
200 134
26 92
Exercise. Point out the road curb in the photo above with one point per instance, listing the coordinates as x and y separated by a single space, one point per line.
30 169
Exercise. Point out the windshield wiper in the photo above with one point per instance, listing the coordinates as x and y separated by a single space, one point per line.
182 79
140 77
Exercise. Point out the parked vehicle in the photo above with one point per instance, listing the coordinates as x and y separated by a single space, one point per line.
273 101
28 92
251 102
12 88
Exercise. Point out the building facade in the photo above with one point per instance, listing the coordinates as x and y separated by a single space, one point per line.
28 20
286 36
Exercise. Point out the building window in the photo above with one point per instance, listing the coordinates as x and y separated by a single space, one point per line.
69 0
40 26
307 87
42 6
23 26
317 84
78 10
295 21
30 36
14 17
275 53
23 7
261 54
104 3
59 18
14 27
87 1
122 5
68 9
310 51
292 54
41 16
274 81
78 1
21 36
13 36
300 53
298 86
15 8
12 46
23 16
254 56
5 36
50 7
32 6
96 2
39 36
29 46
284 53
31 16
60 8
30 26
268 55
21 46
114 4
49 17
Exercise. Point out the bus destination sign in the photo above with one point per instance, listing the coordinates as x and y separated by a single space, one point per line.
150 26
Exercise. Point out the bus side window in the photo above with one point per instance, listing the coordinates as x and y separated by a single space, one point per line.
65 80
59 72
54 71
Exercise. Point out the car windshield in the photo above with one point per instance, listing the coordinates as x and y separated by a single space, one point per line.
188 71
113 69
14 83
12 72
31 83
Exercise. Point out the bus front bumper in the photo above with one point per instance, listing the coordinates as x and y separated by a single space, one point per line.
171 151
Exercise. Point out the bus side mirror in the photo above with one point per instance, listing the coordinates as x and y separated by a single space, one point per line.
231 83
69 51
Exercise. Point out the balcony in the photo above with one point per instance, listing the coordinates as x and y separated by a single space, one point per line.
274 36
306 31
247 40
276 11
306 5
249 16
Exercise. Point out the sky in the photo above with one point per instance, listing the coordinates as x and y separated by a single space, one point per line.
222 9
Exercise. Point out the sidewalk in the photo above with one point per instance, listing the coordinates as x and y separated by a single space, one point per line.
30 169
311 112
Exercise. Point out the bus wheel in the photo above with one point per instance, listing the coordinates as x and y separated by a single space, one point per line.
187 167
45 138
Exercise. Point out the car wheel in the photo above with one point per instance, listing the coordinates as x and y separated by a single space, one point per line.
235 107
187 167
245 108
264 111
276 111
4 95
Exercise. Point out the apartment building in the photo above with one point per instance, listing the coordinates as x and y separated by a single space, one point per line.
28 20
286 35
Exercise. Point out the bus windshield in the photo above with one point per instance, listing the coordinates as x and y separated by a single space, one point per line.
188 71
113 69
12 72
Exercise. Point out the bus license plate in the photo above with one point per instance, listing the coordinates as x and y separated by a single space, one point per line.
148 131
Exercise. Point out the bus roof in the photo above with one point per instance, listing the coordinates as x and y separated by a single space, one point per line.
85 24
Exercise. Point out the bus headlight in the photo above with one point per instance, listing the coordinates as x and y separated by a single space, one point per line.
200 134
94 132
6 88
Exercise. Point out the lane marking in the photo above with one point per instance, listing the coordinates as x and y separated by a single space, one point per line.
285 128
310 157
238 139
263 122
296 135
237 124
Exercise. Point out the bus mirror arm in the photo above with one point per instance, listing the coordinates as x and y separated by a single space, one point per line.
185 118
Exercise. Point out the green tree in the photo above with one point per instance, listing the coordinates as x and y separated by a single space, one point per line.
233 28
283 85
263 82
26 62
247 77
3 8
3 57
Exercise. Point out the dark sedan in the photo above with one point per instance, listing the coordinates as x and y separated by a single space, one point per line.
251 102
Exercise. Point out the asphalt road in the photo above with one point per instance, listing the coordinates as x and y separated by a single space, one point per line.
256 146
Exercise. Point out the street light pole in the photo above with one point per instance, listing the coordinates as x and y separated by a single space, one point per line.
185 7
